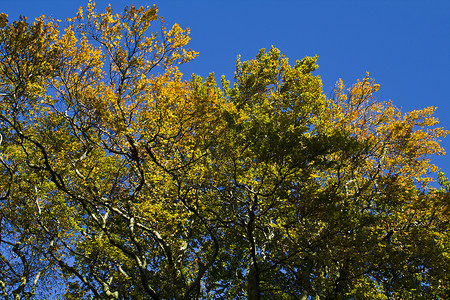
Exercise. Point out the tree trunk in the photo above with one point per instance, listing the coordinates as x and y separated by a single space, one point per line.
253 290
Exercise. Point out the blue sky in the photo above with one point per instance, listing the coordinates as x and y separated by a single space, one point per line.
405 45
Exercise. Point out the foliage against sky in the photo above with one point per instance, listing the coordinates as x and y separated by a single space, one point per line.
122 180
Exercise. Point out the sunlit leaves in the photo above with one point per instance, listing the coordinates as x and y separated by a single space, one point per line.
121 179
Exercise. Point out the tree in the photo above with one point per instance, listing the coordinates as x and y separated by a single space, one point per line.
121 180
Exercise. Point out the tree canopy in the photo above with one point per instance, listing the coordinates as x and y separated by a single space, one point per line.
121 179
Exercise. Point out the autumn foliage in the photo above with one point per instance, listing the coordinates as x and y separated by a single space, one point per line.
121 179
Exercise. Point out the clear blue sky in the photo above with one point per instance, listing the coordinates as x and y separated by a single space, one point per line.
405 45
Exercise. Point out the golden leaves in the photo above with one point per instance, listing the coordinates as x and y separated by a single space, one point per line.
146 171
402 143
3 20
